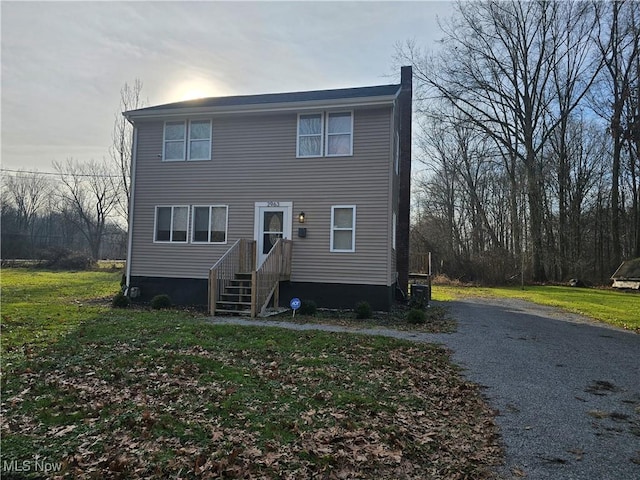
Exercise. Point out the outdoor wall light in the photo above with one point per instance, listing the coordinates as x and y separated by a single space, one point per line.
301 217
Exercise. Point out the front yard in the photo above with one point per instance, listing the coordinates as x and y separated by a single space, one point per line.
148 394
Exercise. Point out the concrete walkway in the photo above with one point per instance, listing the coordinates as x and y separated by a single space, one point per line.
567 388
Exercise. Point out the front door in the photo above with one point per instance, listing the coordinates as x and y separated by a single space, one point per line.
273 221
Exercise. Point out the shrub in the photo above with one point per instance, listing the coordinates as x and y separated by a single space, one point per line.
53 254
308 307
75 261
418 302
160 301
120 301
60 258
363 310
416 317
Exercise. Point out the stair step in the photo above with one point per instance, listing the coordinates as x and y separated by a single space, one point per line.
231 302
243 276
231 296
232 312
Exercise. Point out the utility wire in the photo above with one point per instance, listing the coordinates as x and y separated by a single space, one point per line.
59 174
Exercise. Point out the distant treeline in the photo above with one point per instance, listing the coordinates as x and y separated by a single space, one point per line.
528 141
74 210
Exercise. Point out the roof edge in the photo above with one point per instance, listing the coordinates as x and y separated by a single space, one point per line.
257 108
281 101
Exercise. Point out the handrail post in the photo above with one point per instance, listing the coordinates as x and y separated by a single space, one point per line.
276 295
245 264
213 290
254 293
252 257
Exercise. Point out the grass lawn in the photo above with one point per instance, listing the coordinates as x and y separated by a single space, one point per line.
39 306
137 393
615 307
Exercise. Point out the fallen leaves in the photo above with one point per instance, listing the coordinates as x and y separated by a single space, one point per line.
350 407
518 472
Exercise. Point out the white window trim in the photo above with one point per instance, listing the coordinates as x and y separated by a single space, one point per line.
334 229
186 142
189 139
350 133
155 225
298 135
164 141
193 223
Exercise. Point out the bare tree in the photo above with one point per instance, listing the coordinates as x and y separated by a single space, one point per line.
619 45
496 68
122 139
27 191
87 197
574 70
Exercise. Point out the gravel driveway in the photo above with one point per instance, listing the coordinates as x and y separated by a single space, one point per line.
566 388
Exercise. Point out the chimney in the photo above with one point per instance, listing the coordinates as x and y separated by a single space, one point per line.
405 100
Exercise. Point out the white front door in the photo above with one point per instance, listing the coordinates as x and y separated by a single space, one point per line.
272 221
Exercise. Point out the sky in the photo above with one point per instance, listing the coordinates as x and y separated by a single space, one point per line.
64 63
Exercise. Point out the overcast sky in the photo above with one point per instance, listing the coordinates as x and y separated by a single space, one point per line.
63 63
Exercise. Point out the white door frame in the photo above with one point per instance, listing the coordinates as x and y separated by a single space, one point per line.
258 230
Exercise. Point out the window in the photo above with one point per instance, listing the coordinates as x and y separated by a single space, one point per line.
210 224
310 135
343 228
187 140
174 135
171 224
339 128
200 140
321 134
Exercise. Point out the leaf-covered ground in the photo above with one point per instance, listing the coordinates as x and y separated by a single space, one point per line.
437 319
146 395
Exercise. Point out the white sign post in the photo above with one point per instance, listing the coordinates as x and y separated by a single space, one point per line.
295 305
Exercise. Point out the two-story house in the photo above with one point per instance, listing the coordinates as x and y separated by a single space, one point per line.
236 201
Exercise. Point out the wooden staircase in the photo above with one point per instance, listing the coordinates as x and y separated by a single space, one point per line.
236 299
237 287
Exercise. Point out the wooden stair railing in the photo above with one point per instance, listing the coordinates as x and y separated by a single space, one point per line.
239 259
236 287
265 281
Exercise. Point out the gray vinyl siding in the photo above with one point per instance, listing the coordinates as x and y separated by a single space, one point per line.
254 160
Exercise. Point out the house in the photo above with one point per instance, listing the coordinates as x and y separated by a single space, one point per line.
627 275
244 200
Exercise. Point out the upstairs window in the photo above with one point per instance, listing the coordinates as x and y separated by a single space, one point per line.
187 140
310 135
210 224
200 140
325 134
343 228
171 224
339 134
174 135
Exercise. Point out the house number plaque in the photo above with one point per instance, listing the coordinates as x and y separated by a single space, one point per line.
273 204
